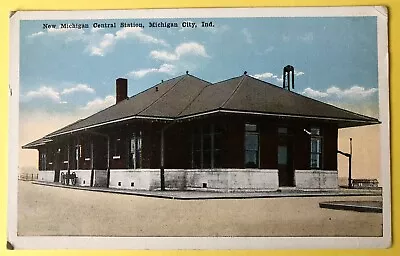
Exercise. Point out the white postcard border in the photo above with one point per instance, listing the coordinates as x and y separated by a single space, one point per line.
62 242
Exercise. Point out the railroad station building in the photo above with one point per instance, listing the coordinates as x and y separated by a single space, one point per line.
240 134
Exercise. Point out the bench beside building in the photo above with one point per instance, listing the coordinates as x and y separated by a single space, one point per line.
241 134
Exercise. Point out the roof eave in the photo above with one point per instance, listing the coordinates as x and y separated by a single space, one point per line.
355 122
116 121
35 145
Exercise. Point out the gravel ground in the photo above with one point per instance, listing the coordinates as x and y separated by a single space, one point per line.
53 211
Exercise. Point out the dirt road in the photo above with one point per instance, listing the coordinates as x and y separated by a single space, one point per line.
44 210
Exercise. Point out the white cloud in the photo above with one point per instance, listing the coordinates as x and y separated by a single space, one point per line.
164 55
137 32
315 93
164 68
47 92
190 48
275 78
64 33
98 104
43 92
263 75
96 43
40 33
108 40
247 36
106 43
355 92
78 88
269 77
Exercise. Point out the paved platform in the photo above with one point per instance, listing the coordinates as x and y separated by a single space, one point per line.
200 195
358 206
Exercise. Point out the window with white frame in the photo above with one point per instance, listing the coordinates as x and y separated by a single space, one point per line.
135 151
251 144
206 146
316 148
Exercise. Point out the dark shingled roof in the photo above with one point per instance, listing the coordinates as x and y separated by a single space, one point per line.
248 94
37 143
187 96
164 100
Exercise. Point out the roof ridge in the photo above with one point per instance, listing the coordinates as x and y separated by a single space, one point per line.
225 80
153 86
190 103
199 79
151 104
234 91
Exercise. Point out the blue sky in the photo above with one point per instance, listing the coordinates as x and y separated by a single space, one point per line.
64 71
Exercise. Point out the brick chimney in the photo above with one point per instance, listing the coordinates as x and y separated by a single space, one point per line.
121 87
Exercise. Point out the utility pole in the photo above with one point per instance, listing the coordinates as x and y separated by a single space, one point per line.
162 181
350 156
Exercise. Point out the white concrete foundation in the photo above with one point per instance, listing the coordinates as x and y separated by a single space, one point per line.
207 179
83 177
46 176
140 179
316 179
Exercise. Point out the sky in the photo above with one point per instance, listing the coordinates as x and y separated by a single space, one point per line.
67 74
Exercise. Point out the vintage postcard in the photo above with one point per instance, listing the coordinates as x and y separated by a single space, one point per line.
199 129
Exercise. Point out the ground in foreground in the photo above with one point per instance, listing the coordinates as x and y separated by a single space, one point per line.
53 211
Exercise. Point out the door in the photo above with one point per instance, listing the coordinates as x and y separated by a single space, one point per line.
285 161
132 152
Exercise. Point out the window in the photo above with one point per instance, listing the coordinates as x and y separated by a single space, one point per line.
87 154
43 161
49 159
217 146
206 147
78 152
197 145
117 148
316 149
135 151
64 152
251 143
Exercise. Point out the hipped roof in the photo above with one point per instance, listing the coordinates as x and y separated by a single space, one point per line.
187 96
